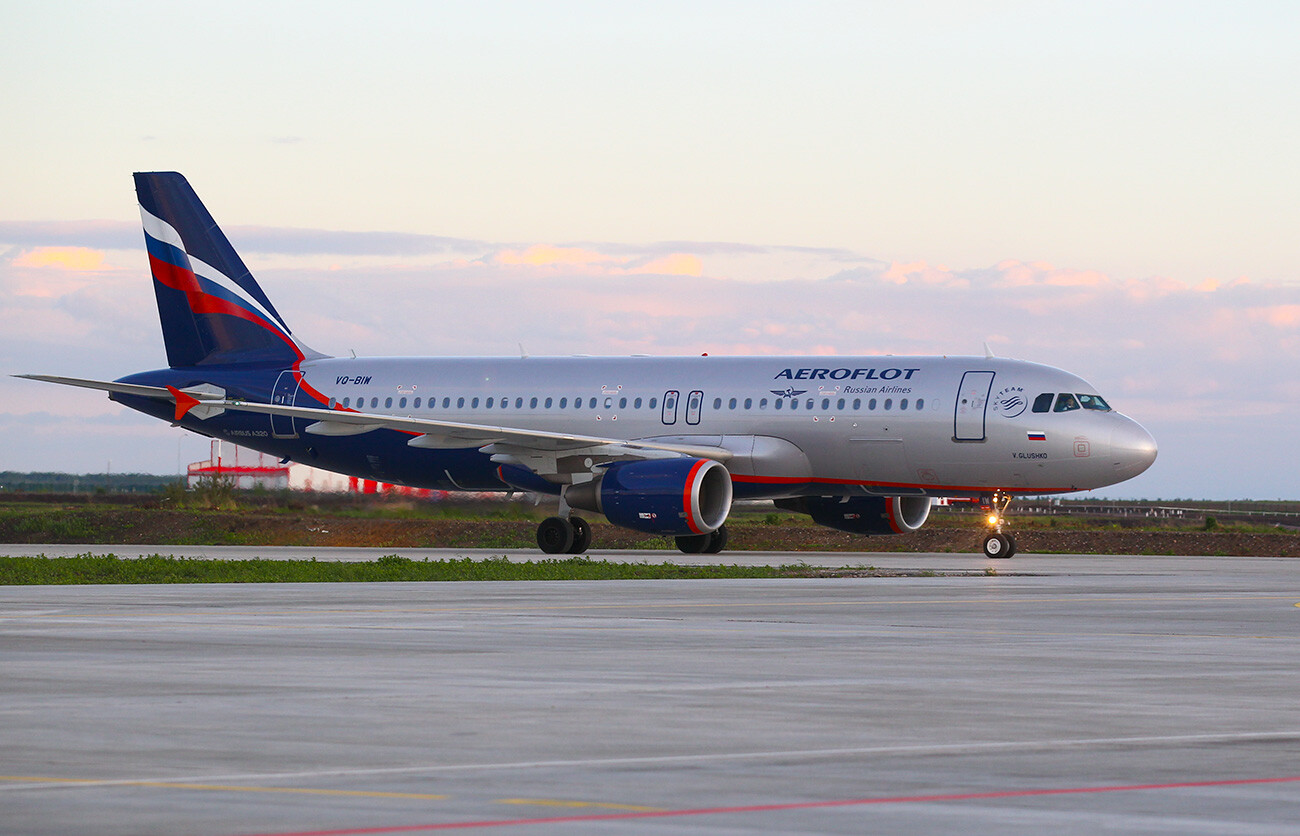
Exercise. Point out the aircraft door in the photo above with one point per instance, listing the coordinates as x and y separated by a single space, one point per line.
286 389
694 401
670 406
972 400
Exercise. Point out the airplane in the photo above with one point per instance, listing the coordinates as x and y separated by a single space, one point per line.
661 445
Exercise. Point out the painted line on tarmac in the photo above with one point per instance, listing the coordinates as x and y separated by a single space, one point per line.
794 806
953 749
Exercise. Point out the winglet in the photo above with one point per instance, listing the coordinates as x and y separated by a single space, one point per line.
184 402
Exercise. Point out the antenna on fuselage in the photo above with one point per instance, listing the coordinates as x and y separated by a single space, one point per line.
988 352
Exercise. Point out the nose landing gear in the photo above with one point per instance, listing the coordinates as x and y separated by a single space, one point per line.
998 543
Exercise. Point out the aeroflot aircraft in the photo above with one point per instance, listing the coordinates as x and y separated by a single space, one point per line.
660 445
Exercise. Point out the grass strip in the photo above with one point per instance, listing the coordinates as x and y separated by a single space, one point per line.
157 568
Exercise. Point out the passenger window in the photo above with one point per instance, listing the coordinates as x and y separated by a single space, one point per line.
622 403
1065 402
532 403
474 404
519 403
857 404
446 403
749 403
402 403
654 402
460 403
417 403
779 403
488 404
717 403
840 404
902 404
388 403
346 402
1043 403
762 403
826 404
889 404
577 403
636 404
871 404
809 404
374 403
920 403
549 401
563 402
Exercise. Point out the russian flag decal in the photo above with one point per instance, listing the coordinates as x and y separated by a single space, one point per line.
1035 435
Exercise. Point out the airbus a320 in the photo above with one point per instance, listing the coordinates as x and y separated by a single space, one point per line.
660 445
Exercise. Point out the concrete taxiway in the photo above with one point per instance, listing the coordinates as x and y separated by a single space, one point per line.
1125 694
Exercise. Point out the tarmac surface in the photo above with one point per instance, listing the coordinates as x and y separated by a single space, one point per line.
1064 694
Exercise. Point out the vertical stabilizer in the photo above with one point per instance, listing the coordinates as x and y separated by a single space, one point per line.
211 308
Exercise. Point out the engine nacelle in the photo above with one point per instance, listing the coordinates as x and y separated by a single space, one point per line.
659 496
863 514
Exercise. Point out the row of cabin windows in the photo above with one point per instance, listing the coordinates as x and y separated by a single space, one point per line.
578 403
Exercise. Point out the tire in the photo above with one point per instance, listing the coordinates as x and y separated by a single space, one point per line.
693 543
717 541
555 535
1011 549
998 546
581 535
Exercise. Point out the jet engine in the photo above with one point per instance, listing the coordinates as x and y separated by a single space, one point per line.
659 496
863 514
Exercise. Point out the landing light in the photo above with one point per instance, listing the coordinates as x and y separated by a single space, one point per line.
993 519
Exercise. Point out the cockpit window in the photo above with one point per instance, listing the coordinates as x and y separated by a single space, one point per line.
1065 402
1043 403
1094 402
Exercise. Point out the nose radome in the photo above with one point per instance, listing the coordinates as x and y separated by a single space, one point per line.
1132 449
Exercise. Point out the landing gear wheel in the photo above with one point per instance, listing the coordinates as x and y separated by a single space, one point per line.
581 535
1000 546
711 543
555 535
692 543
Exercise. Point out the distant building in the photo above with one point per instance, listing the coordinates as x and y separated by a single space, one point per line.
244 468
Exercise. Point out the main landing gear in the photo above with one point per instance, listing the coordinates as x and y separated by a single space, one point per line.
557 535
710 543
998 543
572 535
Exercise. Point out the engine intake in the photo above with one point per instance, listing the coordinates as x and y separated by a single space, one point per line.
863 514
659 496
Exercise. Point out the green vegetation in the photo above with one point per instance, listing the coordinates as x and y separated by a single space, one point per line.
156 568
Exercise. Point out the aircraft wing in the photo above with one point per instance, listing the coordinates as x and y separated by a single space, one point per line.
548 454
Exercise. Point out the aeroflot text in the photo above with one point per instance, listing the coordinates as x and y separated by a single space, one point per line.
845 374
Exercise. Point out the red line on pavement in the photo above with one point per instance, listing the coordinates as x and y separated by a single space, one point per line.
798 805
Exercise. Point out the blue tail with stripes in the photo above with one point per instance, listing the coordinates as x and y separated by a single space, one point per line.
212 310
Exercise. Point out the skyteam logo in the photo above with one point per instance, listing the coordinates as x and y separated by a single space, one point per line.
1010 402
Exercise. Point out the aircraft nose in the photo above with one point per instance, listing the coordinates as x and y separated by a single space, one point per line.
1132 448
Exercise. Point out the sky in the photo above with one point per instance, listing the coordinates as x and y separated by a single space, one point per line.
1112 188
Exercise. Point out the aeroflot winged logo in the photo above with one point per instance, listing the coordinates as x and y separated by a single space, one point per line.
791 392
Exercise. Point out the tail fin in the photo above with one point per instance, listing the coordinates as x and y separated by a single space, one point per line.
211 308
